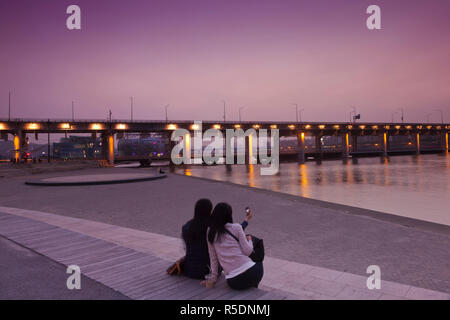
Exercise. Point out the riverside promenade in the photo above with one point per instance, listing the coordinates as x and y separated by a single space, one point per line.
315 250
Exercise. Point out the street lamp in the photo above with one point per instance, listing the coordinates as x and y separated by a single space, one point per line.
428 117
224 110
296 111
301 110
241 108
131 108
166 107
442 115
392 116
402 112
9 106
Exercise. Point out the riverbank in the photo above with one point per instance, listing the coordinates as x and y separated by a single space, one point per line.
293 228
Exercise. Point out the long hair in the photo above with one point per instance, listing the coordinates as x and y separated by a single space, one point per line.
221 215
199 224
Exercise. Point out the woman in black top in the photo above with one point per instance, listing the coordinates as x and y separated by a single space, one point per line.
196 261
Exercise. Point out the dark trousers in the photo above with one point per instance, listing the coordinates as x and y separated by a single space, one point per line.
248 279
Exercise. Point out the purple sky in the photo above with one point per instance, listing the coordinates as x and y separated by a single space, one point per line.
262 55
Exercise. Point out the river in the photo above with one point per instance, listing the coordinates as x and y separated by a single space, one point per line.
411 186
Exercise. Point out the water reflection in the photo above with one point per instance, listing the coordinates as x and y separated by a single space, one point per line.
413 186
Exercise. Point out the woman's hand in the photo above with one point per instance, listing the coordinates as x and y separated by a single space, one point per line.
249 216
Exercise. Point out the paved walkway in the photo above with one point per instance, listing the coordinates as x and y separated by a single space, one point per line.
135 274
141 256
27 275
305 231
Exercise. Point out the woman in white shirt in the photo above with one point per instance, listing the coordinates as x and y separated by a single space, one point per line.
240 271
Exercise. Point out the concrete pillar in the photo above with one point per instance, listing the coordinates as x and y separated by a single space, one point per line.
345 147
318 149
111 149
251 149
301 147
354 143
354 149
385 140
18 140
446 142
417 143
108 148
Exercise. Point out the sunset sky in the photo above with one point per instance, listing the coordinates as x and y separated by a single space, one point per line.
261 55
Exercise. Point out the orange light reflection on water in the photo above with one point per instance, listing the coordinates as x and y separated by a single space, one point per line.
304 183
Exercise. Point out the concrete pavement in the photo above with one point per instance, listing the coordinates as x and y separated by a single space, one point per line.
293 228
294 280
25 274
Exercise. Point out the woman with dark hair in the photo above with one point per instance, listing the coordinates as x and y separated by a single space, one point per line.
196 261
240 271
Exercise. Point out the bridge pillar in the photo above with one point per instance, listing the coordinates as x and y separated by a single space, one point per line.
446 142
417 143
354 143
345 148
111 149
251 149
354 149
385 140
108 147
318 149
301 147
18 142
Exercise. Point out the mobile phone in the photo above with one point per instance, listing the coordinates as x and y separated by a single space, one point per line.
247 210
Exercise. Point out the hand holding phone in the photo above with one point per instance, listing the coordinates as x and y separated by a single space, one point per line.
249 214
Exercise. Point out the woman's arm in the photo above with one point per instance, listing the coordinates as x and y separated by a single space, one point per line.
246 244
213 260
244 224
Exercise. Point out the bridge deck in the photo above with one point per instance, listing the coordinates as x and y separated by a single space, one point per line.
135 274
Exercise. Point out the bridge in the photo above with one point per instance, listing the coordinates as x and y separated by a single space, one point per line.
349 132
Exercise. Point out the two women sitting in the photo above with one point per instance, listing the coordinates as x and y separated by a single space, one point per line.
214 242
